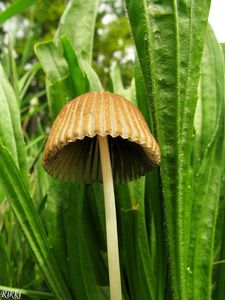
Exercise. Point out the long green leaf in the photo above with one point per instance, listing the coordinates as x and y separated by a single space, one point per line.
136 255
59 84
153 200
5 276
52 62
219 251
94 81
210 95
141 95
169 39
10 128
57 199
82 74
77 23
79 78
208 168
27 78
204 213
117 84
81 252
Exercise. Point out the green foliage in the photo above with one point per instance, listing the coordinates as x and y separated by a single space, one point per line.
29 220
15 8
171 221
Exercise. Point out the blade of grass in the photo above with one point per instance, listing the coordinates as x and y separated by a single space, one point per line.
10 128
77 23
136 255
155 223
204 213
35 141
26 79
207 169
171 77
209 100
52 62
58 82
154 210
157 68
219 251
27 100
33 111
56 203
5 276
143 102
117 84
13 67
80 81
81 252
59 93
94 81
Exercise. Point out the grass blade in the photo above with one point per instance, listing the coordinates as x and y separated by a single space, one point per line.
80 81
208 154
82 74
219 251
116 84
171 72
5 276
26 79
53 64
83 270
10 129
204 215
79 30
135 248
153 199
59 85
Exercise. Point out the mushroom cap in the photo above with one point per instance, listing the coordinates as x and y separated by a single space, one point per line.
72 152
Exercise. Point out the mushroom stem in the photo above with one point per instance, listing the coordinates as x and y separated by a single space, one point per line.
111 224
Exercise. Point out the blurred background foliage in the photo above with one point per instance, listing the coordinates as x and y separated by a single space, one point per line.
112 43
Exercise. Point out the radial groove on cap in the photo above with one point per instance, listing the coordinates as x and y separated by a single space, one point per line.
72 151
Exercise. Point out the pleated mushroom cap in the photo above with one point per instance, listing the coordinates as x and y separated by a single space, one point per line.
72 152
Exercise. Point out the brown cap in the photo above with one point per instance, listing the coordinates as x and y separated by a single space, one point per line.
72 153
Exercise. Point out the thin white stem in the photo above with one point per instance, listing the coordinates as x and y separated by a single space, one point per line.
111 224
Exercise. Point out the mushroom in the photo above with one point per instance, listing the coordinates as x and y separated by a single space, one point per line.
100 136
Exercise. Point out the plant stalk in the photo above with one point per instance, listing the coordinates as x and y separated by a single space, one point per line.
111 224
